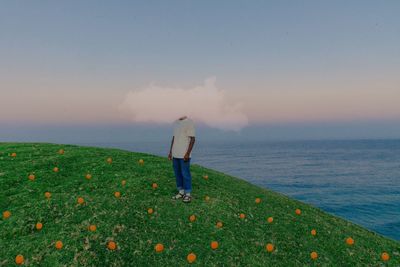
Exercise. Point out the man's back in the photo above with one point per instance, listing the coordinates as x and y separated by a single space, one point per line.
183 129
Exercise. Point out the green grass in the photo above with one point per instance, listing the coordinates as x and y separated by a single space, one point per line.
125 219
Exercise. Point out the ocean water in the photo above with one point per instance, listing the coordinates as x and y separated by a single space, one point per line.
358 180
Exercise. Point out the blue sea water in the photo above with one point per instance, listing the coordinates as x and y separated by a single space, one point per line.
355 179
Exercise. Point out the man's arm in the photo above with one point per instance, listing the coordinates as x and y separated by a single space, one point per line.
191 144
170 149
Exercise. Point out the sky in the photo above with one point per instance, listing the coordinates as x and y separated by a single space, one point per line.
330 67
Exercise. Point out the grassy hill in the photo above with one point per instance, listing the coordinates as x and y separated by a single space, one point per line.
125 220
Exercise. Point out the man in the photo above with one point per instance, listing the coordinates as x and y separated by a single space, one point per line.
180 154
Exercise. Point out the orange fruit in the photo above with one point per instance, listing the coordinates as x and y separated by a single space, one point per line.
88 176
219 224
270 219
80 200
123 182
350 241
191 257
298 211
192 218
117 194
6 214
385 256
242 216
150 211
47 195
205 177
39 226
313 232
154 185
111 245
258 200
207 198
141 162
109 160
269 247
159 247
92 228
314 255
214 244
61 151
59 244
55 169
19 259
31 177
13 154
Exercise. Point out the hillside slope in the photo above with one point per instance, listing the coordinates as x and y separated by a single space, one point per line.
26 176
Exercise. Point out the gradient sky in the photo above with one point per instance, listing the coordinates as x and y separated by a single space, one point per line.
280 61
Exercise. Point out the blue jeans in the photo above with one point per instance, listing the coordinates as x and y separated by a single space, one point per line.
182 174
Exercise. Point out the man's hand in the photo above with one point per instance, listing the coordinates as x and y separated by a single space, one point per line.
187 154
186 157
170 156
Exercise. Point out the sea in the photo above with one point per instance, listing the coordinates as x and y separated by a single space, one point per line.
358 180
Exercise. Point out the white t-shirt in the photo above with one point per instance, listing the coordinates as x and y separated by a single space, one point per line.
182 130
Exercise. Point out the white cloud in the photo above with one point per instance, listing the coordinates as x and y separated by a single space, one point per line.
205 103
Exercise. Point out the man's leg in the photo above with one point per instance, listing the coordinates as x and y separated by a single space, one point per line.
178 174
187 177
